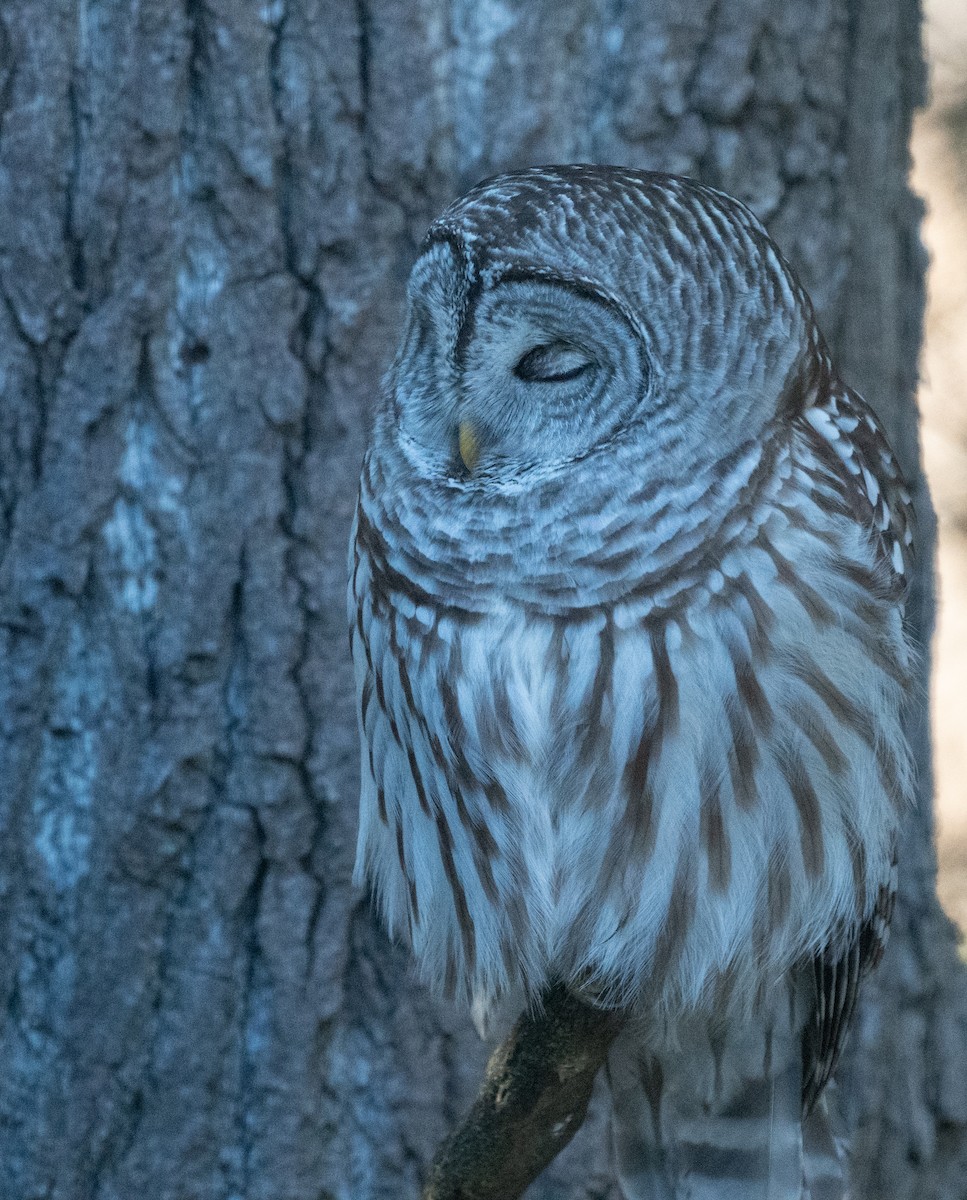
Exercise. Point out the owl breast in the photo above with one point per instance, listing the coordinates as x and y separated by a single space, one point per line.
654 800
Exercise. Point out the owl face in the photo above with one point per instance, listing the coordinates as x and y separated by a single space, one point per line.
530 371
556 311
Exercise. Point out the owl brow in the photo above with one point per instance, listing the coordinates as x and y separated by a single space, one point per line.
465 323
584 289
441 235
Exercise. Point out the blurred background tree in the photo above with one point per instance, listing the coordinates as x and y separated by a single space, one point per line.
208 213
940 174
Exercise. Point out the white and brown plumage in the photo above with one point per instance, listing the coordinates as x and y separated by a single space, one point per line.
627 618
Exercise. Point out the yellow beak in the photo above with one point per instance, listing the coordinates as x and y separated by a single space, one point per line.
469 444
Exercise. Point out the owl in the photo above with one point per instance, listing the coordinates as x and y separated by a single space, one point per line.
627 617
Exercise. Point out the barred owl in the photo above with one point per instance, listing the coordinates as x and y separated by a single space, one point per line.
627 586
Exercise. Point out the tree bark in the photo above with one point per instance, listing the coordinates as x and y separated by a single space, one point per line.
208 214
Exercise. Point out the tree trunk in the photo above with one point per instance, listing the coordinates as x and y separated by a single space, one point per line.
208 214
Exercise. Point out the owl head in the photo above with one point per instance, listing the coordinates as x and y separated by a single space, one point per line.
558 310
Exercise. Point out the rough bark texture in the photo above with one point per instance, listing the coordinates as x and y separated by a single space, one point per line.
207 212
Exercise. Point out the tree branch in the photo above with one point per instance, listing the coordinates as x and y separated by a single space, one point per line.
533 1100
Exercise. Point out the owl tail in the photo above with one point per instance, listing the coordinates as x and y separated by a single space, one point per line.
702 1124
824 1151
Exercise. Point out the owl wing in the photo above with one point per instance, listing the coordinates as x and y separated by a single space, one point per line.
856 461
856 458
837 978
